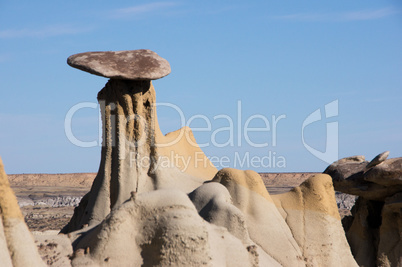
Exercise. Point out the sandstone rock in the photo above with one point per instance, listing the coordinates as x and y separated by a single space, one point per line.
214 204
375 233
388 173
352 159
140 64
265 224
135 155
55 250
353 177
242 227
362 235
378 159
390 243
347 177
145 208
162 228
311 213
17 247
375 227
346 172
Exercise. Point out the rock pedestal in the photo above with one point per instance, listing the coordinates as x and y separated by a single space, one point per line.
134 151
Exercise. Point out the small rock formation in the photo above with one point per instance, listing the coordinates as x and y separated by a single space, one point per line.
144 208
375 230
17 247
380 158
263 221
354 176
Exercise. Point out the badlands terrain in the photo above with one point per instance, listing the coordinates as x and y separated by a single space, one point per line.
159 214
48 200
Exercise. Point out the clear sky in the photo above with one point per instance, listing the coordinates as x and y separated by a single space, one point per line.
279 60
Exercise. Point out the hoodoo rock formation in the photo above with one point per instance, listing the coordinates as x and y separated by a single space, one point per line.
374 231
136 156
160 213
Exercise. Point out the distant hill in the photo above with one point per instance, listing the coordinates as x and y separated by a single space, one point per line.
280 181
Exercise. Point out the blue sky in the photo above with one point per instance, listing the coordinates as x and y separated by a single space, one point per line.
272 58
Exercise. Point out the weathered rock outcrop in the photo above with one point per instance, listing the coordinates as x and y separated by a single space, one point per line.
17 247
144 208
163 228
375 230
265 225
311 213
231 220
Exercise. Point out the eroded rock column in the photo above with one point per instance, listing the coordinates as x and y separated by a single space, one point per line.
128 151
130 157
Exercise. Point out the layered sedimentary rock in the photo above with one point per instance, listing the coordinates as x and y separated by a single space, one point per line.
375 230
17 247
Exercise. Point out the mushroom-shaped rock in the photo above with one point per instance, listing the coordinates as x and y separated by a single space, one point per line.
142 64
134 150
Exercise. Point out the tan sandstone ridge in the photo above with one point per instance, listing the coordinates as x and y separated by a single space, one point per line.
311 213
159 214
